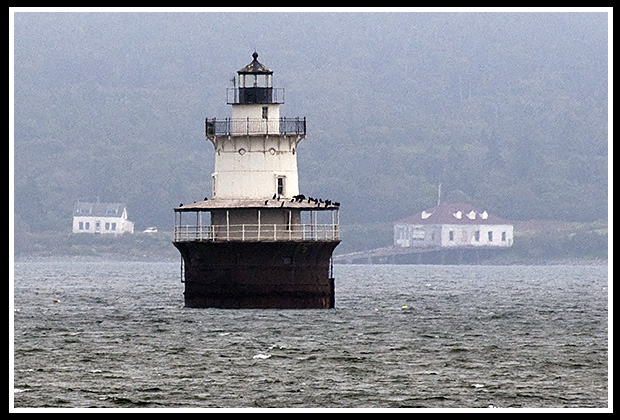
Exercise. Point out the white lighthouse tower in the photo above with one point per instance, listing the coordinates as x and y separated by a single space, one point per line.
255 150
250 245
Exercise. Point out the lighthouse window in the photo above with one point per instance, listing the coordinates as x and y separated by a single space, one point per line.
280 185
261 80
288 221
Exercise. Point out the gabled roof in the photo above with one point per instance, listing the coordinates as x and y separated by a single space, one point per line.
454 214
99 209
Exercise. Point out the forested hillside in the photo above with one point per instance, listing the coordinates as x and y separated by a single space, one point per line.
508 111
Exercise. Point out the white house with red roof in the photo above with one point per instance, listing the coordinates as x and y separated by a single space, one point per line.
451 225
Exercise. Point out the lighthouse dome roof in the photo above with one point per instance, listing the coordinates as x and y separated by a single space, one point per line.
255 67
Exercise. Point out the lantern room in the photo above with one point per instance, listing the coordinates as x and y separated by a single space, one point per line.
255 86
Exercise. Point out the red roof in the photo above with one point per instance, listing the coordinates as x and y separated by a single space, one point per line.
454 214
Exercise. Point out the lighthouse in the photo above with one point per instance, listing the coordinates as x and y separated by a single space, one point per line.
258 242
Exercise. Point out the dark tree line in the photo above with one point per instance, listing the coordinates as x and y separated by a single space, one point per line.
506 111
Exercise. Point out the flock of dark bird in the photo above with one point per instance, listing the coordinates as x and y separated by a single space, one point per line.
300 198
318 201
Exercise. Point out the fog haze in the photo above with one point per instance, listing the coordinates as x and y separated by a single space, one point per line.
508 111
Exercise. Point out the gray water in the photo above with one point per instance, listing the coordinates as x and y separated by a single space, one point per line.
116 334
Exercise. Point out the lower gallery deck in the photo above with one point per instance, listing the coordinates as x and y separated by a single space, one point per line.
244 255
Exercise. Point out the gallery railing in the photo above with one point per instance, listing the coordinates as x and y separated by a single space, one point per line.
255 126
257 232
254 95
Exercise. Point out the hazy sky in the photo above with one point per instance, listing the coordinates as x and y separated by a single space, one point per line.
137 84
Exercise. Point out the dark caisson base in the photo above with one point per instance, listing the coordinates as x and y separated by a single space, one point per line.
287 275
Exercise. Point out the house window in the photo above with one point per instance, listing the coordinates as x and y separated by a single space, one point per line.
490 236
477 235
265 112
107 225
451 235
417 234
503 236
280 185
81 225
113 225
87 225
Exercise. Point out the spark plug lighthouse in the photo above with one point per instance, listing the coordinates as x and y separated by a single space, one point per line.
258 242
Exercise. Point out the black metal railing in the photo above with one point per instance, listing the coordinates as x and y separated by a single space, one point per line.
254 95
254 126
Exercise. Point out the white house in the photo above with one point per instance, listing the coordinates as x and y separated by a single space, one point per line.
103 218
450 225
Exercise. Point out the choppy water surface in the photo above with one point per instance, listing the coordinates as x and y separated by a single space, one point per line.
116 334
